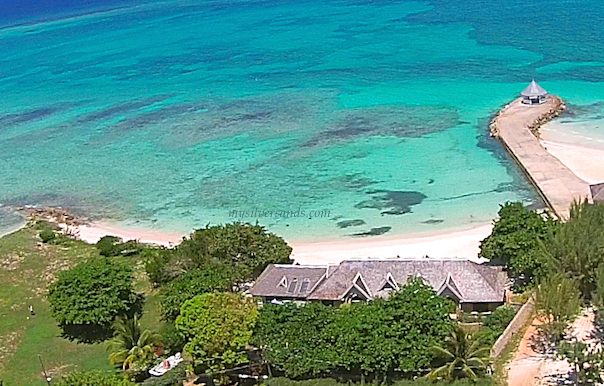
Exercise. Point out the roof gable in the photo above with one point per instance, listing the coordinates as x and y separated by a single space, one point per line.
597 192
358 288
449 289
389 283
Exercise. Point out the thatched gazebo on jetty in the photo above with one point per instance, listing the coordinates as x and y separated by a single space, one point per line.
533 94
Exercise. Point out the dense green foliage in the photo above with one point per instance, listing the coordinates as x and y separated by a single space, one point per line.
495 324
47 235
113 246
516 239
94 378
242 250
577 248
373 338
174 377
217 328
131 347
93 293
460 357
557 301
334 382
193 283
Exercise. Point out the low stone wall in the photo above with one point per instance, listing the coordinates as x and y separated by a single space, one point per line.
522 316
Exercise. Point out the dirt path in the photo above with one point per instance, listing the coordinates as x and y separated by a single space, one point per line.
535 365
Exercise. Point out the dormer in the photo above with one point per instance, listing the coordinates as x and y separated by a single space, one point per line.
449 289
282 283
358 290
389 284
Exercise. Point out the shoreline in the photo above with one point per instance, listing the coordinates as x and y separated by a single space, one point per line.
461 242
447 243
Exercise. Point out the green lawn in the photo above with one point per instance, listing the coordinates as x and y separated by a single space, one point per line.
26 268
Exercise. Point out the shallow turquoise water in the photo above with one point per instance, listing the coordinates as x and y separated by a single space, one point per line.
170 115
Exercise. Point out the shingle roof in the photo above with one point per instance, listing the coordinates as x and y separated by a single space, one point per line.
597 192
472 282
288 281
533 90
475 283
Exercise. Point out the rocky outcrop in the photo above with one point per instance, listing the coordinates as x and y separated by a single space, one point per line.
559 107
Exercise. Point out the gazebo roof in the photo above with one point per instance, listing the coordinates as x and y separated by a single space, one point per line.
534 90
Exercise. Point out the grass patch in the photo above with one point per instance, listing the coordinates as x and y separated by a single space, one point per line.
27 266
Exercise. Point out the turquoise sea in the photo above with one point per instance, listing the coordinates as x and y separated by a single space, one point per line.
171 115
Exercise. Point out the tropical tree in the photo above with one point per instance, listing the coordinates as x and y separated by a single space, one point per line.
461 357
86 299
242 250
586 359
193 283
516 239
557 301
131 345
577 247
217 328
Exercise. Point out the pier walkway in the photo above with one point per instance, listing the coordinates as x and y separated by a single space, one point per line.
556 183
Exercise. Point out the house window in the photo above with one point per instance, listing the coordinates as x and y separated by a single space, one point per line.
304 286
292 286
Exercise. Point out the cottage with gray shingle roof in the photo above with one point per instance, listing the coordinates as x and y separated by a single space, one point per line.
473 286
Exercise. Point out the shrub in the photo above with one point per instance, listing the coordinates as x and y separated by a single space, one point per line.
47 235
173 339
94 378
173 377
335 382
500 319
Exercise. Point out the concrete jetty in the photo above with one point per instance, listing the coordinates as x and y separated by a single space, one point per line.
517 127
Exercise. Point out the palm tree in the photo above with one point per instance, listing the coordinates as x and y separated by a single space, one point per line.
462 357
130 345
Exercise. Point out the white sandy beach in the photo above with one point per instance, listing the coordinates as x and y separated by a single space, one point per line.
587 163
462 244
580 149
92 233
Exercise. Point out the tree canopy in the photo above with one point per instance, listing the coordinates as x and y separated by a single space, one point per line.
374 338
93 293
516 238
193 283
577 248
242 250
217 328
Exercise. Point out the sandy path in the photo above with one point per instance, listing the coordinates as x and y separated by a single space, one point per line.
530 367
